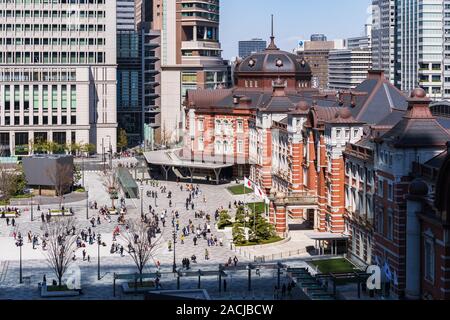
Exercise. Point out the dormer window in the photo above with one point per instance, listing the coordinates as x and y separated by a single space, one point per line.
251 63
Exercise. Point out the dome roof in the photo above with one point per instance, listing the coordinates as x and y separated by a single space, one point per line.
302 106
418 188
345 113
418 93
273 61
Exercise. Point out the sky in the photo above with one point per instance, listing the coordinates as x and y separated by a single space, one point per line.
294 20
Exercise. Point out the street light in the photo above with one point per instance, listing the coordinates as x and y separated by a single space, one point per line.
142 201
99 242
174 267
19 243
110 152
87 203
31 205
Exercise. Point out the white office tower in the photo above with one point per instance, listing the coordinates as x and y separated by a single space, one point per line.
420 49
125 15
383 37
57 73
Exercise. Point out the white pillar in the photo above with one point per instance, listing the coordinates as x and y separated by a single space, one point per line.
413 250
194 31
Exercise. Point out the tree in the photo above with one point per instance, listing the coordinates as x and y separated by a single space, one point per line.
61 176
20 180
61 244
88 148
238 234
122 141
7 183
77 176
112 185
138 243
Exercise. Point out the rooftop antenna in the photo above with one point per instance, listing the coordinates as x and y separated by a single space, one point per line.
272 45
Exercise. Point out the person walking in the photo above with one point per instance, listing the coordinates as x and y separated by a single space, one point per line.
182 239
195 241
235 260
13 222
206 254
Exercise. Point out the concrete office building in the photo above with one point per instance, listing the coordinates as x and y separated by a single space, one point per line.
420 47
247 47
57 74
383 37
125 15
348 68
362 41
190 58
316 53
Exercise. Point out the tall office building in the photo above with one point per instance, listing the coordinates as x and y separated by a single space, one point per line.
383 37
420 51
57 74
348 68
190 57
316 53
125 15
138 93
247 47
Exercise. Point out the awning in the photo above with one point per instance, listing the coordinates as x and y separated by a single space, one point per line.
326 236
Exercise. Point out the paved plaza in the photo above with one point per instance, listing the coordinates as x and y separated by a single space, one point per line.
35 265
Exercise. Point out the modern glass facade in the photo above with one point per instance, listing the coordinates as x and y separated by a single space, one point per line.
246 48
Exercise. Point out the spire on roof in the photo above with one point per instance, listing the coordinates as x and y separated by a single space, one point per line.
272 45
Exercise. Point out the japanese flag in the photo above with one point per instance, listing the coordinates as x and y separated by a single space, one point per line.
259 192
248 183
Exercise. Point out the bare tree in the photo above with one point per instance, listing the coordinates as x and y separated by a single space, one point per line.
61 245
62 178
112 185
138 243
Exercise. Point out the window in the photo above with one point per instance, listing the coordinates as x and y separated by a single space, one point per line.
201 146
429 259
390 191
240 146
380 188
390 226
380 221
200 125
240 126
338 133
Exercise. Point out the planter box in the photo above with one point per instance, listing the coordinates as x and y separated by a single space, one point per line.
57 294
127 289
60 214
10 215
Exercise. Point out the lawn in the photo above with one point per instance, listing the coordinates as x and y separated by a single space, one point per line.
271 240
334 265
239 189
258 206
22 196
58 288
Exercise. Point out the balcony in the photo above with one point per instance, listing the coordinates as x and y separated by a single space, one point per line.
200 45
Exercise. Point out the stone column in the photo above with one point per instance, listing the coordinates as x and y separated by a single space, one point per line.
280 214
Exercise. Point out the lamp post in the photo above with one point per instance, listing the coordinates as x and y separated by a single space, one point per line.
110 152
31 204
174 267
99 242
103 155
142 201
82 169
156 195
19 243
87 203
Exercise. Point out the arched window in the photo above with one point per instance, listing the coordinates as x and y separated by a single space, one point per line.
218 126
